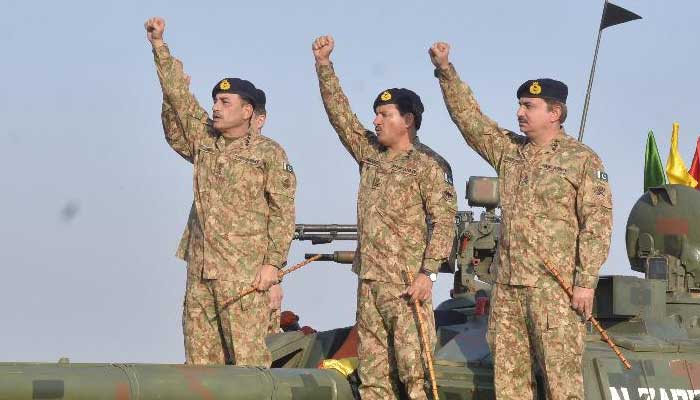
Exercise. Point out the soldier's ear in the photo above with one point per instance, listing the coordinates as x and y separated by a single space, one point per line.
409 119
247 110
555 111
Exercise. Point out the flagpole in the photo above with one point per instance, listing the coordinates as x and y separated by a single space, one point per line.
590 78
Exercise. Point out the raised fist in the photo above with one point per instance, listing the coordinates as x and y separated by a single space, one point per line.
322 47
155 27
439 54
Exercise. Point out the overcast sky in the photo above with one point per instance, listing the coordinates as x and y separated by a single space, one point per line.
94 201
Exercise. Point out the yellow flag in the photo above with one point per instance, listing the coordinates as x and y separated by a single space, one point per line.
675 167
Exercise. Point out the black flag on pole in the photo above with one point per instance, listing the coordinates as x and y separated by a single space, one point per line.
614 15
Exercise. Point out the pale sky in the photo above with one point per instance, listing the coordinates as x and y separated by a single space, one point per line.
94 200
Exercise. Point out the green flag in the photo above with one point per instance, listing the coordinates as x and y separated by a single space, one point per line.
653 170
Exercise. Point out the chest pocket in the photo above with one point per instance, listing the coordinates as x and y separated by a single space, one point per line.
401 187
555 190
370 176
241 177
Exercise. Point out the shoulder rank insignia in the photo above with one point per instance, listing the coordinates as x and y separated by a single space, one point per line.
602 176
535 88
287 167
386 96
225 85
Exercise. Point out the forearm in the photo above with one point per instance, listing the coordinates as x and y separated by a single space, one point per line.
280 191
280 230
441 205
593 247
481 133
174 132
594 212
175 85
348 127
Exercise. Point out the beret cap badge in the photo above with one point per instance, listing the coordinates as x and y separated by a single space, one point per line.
535 88
386 96
225 85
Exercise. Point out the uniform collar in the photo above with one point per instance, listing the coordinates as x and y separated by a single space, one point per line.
392 156
529 149
242 142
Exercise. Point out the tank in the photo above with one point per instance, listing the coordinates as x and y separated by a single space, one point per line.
652 318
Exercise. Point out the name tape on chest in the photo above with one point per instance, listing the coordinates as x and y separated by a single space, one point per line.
553 168
601 175
248 160
511 159
405 170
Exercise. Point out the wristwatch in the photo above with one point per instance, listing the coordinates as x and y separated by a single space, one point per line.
431 275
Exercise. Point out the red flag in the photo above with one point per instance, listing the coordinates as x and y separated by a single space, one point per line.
695 165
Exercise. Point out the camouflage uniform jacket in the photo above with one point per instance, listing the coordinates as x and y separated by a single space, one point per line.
556 202
243 209
399 194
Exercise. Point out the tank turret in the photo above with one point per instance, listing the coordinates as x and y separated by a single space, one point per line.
663 243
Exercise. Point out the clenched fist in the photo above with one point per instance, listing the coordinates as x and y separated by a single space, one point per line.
439 54
155 27
322 47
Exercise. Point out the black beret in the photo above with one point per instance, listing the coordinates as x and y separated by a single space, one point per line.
406 100
544 88
237 86
260 99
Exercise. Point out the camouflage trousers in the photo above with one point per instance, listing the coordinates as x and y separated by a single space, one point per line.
273 325
234 335
535 327
390 350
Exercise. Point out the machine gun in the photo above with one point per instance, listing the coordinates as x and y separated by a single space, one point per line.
473 250
324 233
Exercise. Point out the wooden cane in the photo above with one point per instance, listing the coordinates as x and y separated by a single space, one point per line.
424 341
280 275
595 323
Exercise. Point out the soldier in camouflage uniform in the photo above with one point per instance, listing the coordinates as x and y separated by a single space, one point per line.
402 188
556 207
242 218
172 129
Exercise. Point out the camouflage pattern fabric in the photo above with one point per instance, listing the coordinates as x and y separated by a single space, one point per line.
424 148
399 195
535 327
390 349
555 204
243 211
273 325
242 326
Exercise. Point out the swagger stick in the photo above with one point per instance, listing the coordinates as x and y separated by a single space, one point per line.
280 275
424 341
595 323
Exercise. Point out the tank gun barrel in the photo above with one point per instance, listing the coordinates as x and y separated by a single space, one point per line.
177 382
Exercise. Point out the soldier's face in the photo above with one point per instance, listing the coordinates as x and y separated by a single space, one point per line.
390 125
230 111
533 116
